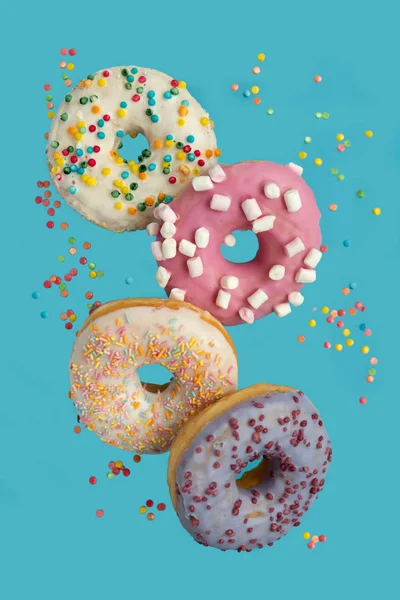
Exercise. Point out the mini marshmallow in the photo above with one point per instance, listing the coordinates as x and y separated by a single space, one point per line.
156 250
169 248
230 240
277 272
296 168
306 276
229 282
264 224
272 191
313 258
219 202
281 310
223 299
153 228
195 266
294 247
177 294
165 213
257 299
292 200
168 230
217 174
202 237
251 209
187 248
202 183
246 315
296 298
162 276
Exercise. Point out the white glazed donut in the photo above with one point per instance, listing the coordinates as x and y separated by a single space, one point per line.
275 423
86 136
120 337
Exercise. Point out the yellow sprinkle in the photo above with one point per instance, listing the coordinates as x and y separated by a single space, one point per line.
318 162
339 347
346 332
169 143
121 112
142 510
376 211
182 85
78 136
60 162
325 310
302 154
84 177
255 89
119 160
55 169
81 124
306 535
365 349
72 318
204 121
134 167
91 181
125 189
340 137
369 133
180 122
349 342
118 205
312 323
70 66
102 82
119 464
93 274
50 115
106 171
180 155
118 183
261 56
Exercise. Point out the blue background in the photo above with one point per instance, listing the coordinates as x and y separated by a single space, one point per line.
52 545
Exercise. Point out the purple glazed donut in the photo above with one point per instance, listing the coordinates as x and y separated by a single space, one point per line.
277 424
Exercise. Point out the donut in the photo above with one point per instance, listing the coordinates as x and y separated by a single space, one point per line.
269 199
84 154
120 337
276 424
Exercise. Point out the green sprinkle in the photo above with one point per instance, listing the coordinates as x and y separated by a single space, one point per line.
141 206
93 98
307 140
92 266
129 197
83 100
334 171
134 186
325 115
146 153
139 90
270 111
100 273
91 77
71 240
347 144
64 76
128 86
64 117
60 258
54 144
361 194
62 286
49 97
340 177
68 98
115 193
124 72
174 91
318 115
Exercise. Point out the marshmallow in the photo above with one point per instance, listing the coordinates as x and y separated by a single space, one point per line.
169 248
229 282
156 250
230 240
202 237
294 247
217 174
296 168
246 315
187 248
251 209
165 213
281 310
277 272
313 258
202 183
219 202
168 230
257 299
177 294
263 224
153 228
195 266
292 200
296 298
162 276
306 276
223 299
272 191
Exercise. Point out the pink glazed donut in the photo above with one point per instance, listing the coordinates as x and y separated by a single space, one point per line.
271 200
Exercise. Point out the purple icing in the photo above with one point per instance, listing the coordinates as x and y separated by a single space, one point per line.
286 429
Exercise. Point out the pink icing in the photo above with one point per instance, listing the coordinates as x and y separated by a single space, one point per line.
243 181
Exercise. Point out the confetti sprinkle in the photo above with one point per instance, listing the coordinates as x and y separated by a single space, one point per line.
368 133
99 513
234 87
261 57
317 78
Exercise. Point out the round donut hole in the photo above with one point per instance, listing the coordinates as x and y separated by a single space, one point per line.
131 147
245 247
253 474
154 377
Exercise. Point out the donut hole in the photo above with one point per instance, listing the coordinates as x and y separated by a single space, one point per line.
253 474
132 146
155 378
245 248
